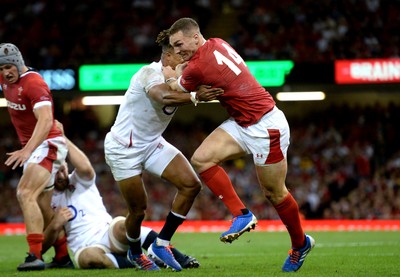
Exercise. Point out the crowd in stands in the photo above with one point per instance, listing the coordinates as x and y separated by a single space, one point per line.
345 166
317 31
61 34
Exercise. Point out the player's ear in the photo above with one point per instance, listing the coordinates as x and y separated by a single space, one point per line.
196 38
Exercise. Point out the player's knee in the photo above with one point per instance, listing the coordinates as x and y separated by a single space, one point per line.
194 189
136 215
201 162
275 195
25 195
191 187
92 258
196 163
138 206
86 259
92 264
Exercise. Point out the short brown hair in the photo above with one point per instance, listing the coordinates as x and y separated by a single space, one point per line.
185 24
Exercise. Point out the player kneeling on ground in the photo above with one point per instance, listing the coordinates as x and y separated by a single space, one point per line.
94 237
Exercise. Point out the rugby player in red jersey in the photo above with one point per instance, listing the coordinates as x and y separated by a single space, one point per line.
256 126
44 149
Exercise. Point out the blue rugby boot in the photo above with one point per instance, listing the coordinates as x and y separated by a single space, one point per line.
240 224
164 254
142 262
296 256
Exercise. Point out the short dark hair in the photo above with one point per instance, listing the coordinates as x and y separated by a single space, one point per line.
185 24
163 40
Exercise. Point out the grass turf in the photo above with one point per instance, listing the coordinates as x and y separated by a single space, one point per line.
254 254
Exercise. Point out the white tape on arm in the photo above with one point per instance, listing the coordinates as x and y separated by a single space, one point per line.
194 98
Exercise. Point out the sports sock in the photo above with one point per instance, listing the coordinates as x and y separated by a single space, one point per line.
134 245
171 224
35 242
60 248
150 238
178 255
288 211
119 261
219 183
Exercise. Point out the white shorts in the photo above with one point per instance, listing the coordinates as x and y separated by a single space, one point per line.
106 240
103 240
126 162
267 140
50 154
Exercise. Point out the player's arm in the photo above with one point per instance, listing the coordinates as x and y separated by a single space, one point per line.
56 225
78 159
44 116
163 94
80 162
203 93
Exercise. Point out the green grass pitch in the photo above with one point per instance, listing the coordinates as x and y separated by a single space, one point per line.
254 254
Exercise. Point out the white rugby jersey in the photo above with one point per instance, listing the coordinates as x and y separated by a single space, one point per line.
140 119
90 215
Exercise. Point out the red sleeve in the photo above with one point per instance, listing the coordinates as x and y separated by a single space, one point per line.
192 77
37 90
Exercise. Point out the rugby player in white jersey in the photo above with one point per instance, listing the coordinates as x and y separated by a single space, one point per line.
135 144
94 237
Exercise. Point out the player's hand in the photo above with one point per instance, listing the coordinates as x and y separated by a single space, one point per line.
207 93
168 72
17 158
60 126
179 68
63 215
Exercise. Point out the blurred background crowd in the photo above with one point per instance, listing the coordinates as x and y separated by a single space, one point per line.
61 34
344 161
